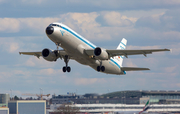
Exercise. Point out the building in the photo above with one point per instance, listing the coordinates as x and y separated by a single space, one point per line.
121 108
121 97
4 110
64 99
27 107
4 98
141 97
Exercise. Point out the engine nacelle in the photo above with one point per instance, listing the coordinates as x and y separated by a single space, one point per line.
49 55
101 54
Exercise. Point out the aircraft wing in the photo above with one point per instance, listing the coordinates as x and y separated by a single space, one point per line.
61 54
125 53
37 54
133 69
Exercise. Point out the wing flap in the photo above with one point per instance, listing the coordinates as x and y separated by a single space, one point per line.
133 68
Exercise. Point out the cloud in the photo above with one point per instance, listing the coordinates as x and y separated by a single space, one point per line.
9 45
92 26
167 21
87 81
36 24
9 25
175 49
33 61
13 47
171 69
84 23
130 63
48 71
5 76
2 1
13 25
33 1
115 19
123 5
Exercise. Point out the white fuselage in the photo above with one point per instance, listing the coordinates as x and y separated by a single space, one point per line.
74 45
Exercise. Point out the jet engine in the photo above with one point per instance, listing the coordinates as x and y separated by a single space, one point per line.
49 55
101 53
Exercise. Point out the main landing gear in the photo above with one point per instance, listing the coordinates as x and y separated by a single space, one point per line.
66 59
66 68
100 68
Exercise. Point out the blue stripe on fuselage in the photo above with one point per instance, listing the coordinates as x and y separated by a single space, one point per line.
86 42
115 63
79 37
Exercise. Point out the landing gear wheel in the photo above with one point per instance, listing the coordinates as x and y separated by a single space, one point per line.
68 69
64 69
102 68
66 60
98 68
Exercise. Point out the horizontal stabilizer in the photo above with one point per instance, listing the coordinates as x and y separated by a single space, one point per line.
133 69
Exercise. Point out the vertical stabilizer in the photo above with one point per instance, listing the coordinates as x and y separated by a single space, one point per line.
121 46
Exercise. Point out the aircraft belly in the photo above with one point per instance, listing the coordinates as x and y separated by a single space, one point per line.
109 68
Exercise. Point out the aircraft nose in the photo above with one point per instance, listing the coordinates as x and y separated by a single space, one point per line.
49 30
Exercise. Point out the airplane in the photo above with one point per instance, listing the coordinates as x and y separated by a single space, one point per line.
78 48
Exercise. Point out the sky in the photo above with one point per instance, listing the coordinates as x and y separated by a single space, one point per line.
146 24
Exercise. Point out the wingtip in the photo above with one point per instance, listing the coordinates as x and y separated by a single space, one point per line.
146 69
171 50
167 49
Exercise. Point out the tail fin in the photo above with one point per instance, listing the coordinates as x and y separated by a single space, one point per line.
122 46
145 107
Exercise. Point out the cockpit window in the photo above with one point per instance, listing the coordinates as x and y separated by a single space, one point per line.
55 25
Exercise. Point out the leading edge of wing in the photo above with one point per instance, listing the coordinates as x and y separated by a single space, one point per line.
145 50
133 68
61 54
37 54
30 53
